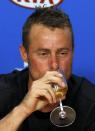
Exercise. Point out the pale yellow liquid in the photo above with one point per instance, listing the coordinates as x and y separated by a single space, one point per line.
60 92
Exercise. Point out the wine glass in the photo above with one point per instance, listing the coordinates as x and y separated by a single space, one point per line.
62 116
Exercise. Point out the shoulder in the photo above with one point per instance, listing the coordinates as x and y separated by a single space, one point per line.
8 80
11 89
84 102
87 88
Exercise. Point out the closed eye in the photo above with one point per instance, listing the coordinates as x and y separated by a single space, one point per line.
43 53
63 52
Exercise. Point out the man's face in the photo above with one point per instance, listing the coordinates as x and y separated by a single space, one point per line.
49 49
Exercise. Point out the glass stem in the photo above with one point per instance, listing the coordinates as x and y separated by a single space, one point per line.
62 113
61 106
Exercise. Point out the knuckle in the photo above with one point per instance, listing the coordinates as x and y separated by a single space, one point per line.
47 73
45 92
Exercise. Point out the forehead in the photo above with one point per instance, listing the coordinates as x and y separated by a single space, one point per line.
43 36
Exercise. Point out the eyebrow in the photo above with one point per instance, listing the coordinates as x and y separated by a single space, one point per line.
48 50
43 49
64 49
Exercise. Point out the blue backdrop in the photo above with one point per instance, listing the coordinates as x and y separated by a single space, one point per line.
82 14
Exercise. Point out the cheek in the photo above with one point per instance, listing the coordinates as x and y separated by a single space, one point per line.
37 64
37 68
66 65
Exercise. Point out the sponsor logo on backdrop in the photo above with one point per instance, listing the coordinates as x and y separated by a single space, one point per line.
37 3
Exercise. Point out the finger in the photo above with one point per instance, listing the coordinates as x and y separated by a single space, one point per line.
53 73
63 97
52 93
56 80
45 93
49 89
52 76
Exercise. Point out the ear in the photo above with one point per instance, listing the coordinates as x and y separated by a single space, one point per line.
23 53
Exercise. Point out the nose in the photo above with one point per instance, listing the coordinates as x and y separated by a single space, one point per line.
53 63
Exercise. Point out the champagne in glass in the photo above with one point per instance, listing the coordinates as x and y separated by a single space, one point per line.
60 92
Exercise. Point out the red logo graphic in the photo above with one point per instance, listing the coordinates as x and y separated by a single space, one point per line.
37 3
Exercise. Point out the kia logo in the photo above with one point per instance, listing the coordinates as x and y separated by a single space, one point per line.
37 3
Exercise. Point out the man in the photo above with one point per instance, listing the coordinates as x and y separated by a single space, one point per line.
27 97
